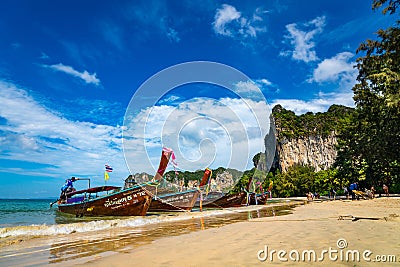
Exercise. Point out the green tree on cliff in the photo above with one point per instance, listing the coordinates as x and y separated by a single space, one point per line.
369 146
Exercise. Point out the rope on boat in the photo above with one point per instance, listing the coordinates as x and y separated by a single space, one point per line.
157 198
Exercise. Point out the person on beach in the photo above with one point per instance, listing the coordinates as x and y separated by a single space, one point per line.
352 187
332 194
385 189
271 184
346 192
373 191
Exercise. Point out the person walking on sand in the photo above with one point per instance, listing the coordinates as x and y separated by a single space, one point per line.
385 189
334 194
373 191
346 192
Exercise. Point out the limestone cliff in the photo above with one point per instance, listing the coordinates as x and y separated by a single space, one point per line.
313 150
308 139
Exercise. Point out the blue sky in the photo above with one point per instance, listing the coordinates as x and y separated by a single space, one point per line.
68 70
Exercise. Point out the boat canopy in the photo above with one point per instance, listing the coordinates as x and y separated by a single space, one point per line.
93 190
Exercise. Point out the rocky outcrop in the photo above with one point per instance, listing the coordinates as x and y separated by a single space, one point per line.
313 150
307 139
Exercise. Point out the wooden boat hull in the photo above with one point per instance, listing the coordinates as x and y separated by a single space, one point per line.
226 201
261 199
207 199
179 201
133 201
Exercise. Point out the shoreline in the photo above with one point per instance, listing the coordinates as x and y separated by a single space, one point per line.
79 242
314 226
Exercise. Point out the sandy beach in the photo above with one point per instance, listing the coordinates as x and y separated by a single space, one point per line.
374 237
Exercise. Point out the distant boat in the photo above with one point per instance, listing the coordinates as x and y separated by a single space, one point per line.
225 201
217 199
258 199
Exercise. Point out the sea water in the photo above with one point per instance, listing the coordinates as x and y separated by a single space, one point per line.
17 212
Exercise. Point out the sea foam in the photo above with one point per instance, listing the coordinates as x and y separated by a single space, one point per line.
99 225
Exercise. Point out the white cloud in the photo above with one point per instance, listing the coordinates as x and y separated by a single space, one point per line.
224 16
35 135
336 68
247 87
85 75
203 133
303 40
252 89
264 82
320 103
230 22
267 86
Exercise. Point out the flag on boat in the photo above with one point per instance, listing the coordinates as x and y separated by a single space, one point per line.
168 151
108 168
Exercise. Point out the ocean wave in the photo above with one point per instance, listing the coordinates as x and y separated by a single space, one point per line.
98 225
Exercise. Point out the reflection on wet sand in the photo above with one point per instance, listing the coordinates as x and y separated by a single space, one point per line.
76 247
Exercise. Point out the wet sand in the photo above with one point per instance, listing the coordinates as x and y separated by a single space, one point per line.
315 226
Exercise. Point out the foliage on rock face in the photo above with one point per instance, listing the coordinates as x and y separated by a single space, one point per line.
369 145
289 125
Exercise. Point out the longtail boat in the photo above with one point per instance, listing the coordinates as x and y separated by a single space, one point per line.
226 201
260 198
167 200
177 201
133 200
206 195
106 201
257 199
219 199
